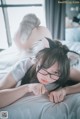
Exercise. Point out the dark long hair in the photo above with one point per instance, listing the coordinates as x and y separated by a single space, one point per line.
47 57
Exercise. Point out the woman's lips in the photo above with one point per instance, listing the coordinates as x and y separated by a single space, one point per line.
44 81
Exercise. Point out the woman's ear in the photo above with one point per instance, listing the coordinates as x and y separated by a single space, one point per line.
74 58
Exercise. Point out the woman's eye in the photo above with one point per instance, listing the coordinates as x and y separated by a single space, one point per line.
58 73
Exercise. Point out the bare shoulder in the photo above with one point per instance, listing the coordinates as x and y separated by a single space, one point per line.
75 74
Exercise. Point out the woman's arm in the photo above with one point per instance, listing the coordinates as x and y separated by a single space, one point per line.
75 74
59 95
72 89
8 96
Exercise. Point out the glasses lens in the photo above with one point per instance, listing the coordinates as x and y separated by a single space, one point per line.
55 76
52 76
42 71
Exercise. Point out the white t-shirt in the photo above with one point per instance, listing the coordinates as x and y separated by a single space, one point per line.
21 68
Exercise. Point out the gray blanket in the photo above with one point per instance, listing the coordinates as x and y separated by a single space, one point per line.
39 107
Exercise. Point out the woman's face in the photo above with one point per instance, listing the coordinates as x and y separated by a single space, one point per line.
46 76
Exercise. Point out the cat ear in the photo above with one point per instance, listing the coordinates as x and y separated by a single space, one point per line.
51 43
74 58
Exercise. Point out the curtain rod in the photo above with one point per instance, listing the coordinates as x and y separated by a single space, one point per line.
22 5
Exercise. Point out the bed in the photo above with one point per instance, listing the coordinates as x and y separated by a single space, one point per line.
39 107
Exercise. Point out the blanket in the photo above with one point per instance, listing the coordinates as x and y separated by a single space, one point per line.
39 107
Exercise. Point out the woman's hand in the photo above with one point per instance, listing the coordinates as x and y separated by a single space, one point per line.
37 88
57 96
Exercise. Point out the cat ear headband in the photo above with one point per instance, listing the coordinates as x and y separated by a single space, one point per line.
72 55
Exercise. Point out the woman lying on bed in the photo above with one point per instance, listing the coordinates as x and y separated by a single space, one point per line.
51 66
21 67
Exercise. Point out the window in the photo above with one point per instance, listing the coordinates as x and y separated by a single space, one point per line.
11 14
3 37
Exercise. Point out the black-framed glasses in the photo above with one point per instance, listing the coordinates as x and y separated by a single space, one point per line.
52 75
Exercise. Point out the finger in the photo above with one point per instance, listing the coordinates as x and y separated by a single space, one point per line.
61 98
43 90
56 98
51 97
